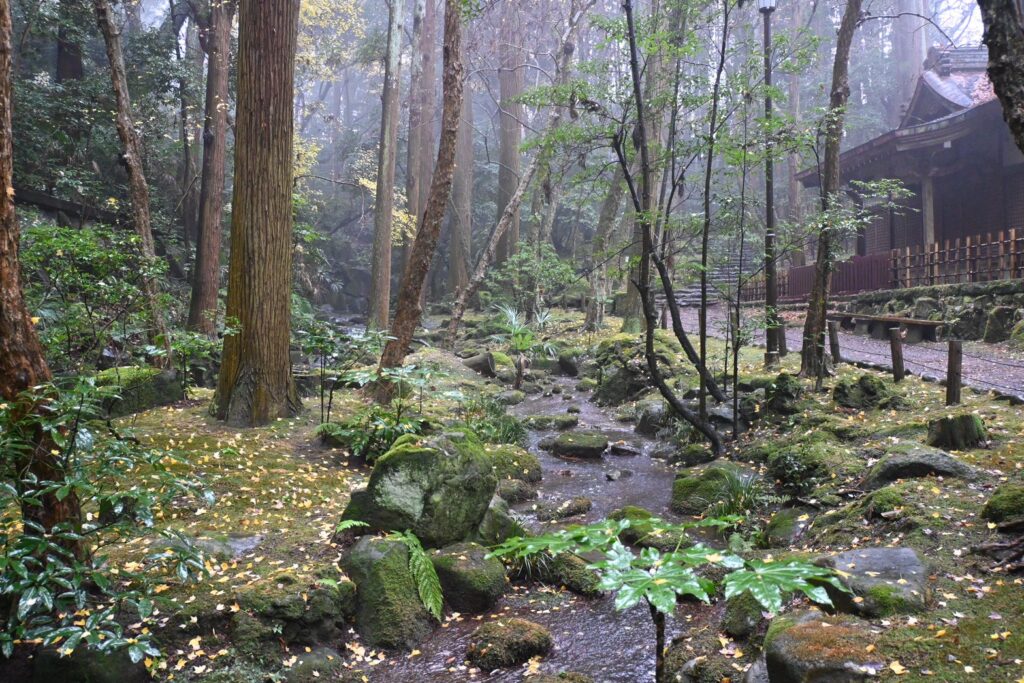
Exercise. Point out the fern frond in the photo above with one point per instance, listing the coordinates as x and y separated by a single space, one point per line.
347 524
428 585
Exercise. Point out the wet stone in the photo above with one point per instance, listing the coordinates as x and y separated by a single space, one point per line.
882 581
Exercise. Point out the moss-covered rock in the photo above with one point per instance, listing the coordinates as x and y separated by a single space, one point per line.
742 615
784 528
783 394
563 677
470 581
87 666
512 462
623 366
566 570
389 612
957 432
910 460
559 421
800 467
999 323
508 642
644 533
1006 503
498 524
438 488
867 392
800 648
694 491
879 581
319 664
516 491
238 672
139 389
1017 335
572 507
587 445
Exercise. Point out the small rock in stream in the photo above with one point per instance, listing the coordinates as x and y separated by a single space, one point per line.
623 448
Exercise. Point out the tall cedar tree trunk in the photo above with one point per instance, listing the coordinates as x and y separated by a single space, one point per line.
407 310
793 207
22 364
508 216
598 268
642 197
812 354
255 385
510 114
132 158
215 29
462 200
189 202
1004 36
384 203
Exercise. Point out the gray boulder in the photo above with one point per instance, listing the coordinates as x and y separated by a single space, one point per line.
801 648
586 445
471 581
882 581
908 460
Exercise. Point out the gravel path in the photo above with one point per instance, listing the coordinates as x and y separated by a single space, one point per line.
986 367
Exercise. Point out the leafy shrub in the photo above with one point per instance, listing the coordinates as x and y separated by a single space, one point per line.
110 490
527 280
370 434
489 420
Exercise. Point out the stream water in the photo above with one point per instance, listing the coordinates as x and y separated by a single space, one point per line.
590 636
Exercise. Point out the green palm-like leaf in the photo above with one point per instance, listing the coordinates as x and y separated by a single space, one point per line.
767 582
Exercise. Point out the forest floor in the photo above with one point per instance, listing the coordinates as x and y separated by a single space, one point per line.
280 494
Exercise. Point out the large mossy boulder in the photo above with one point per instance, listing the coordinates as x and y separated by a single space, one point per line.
880 581
810 647
498 524
583 445
693 492
800 467
564 570
439 488
867 392
957 432
471 581
1006 503
389 612
909 460
622 365
505 643
1017 335
139 389
743 615
784 394
283 606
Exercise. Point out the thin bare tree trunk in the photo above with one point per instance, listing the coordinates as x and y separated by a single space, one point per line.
812 355
255 384
22 364
384 203
510 86
414 147
408 312
598 269
216 35
462 200
132 157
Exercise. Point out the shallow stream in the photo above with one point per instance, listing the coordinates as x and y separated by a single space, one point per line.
590 636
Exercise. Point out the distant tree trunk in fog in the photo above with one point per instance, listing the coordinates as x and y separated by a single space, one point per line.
794 208
421 134
408 311
384 204
1004 36
910 48
598 268
255 384
69 50
812 355
189 202
462 200
510 86
132 158
216 37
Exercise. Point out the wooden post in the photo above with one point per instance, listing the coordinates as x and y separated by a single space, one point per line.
954 375
896 346
833 341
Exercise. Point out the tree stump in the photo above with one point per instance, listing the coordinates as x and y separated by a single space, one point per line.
957 432
482 363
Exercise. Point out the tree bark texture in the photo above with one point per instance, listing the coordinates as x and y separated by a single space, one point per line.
132 157
510 86
216 36
1004 36
461 237
408 311
384 203
22 364
598 268
255 384
812 355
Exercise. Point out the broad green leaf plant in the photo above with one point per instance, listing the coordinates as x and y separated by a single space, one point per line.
659 578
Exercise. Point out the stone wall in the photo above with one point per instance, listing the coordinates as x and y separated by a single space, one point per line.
972 311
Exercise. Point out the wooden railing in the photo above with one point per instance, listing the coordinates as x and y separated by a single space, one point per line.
981 258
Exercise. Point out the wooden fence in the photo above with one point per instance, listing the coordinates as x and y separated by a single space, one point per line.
982 258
